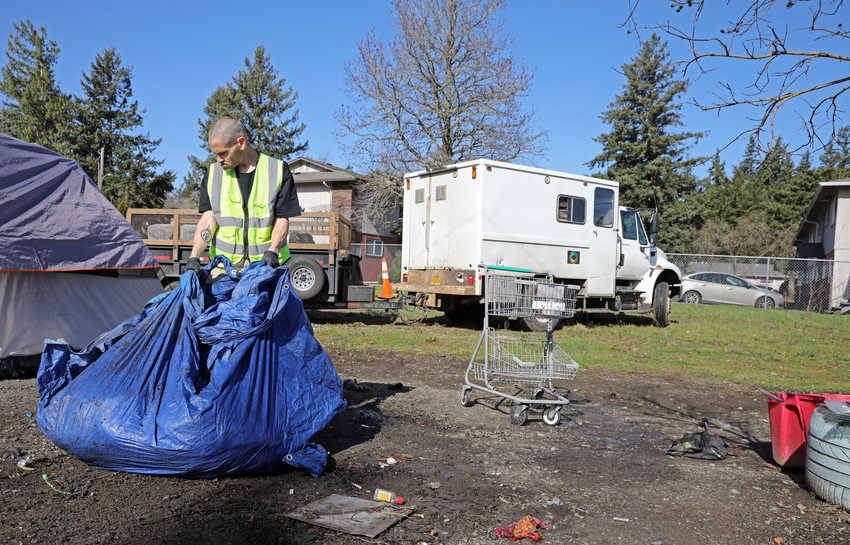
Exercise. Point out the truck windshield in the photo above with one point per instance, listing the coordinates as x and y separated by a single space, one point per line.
641 233
632 226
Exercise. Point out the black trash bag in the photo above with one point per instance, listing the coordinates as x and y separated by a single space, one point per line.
703 445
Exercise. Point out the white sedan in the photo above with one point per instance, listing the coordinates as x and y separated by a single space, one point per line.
713 287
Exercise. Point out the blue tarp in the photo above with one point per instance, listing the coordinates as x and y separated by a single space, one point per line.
208 380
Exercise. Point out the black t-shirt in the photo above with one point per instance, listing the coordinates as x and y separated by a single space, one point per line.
286 203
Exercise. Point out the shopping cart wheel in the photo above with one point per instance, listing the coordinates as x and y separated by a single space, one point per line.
552 416
519 414
538 393
466 396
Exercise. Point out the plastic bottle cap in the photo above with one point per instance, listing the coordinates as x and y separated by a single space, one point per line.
399 500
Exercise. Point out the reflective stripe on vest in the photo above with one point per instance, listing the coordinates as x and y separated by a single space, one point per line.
236 236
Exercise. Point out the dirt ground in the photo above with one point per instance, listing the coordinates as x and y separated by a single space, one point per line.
600 477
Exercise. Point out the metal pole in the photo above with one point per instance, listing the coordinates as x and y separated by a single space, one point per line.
766 282
100 170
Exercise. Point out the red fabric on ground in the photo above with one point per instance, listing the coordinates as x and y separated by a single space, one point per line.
525 527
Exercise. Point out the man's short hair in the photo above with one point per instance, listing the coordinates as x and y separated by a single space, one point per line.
227 130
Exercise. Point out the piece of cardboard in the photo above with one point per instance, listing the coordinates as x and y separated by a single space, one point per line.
354 516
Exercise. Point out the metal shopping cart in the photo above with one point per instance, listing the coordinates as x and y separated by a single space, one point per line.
529 361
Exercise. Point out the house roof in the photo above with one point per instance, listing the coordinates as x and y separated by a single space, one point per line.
316 171
825 191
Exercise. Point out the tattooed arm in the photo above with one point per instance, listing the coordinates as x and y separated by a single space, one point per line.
203 233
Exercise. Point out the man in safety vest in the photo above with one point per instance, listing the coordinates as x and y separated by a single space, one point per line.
245 202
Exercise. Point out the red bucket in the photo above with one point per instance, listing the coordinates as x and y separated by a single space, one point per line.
789 425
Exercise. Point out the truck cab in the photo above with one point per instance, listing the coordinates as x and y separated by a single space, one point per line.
642 267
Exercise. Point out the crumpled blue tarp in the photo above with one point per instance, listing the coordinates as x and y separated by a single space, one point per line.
208 380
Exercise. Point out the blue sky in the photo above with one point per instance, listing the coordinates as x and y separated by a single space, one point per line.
180 51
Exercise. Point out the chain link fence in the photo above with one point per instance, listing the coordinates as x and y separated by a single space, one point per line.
814 285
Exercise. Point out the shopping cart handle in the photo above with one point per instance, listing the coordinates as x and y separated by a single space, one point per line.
500 268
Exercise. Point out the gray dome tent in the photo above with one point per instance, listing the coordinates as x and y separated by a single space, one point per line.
71 267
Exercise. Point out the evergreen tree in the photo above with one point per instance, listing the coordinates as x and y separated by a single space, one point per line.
835 159
742 196
790 199
772 183
715 186
642 151
34 109
264 105
109 118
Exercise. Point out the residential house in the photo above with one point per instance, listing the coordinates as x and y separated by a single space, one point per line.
327 188
825 234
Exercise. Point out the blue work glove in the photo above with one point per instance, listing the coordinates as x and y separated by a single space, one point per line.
270 258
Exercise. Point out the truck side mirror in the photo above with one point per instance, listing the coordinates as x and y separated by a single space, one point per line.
653 228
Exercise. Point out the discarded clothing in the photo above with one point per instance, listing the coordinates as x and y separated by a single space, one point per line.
208 380
525 527
703 445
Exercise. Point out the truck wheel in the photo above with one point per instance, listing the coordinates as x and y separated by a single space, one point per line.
308 278
540 325
461 314
661 305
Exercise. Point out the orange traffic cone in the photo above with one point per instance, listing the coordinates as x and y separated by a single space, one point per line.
386 293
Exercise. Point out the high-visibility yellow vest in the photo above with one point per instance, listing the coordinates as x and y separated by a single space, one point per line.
238 236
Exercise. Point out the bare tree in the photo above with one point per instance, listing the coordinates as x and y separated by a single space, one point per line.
378 198
445 89
791 78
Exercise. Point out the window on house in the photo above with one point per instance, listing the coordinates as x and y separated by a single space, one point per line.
603 207
440 193
419 196
571 209
374 247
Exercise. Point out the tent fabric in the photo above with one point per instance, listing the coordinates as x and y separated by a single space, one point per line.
54 218
208 380
71 306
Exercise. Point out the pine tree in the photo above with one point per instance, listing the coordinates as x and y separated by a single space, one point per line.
791 192
715 186
742 196
642 151
835 159
258 98
109 118
772 182
34 108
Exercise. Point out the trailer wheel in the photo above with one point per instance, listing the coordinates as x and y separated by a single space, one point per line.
540 325
308 278
661 304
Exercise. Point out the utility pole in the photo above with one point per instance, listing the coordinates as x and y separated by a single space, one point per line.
100 169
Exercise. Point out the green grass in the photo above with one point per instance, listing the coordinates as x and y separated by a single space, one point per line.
776 350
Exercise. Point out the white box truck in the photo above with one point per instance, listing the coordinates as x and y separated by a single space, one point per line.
493 213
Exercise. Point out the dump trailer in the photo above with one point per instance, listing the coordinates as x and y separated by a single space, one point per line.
484 212
325 274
